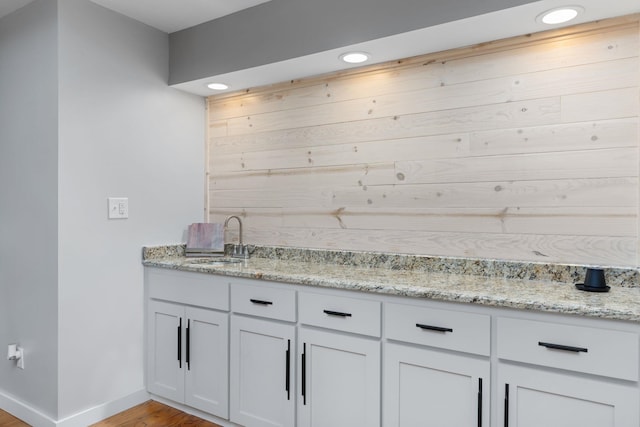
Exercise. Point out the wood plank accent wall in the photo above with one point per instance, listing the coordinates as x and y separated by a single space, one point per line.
521 149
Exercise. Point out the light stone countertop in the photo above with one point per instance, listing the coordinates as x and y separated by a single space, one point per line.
620 303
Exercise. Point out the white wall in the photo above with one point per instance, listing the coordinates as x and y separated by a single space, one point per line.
123 133
28 204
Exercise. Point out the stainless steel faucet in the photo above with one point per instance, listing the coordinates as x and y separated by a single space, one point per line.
239 250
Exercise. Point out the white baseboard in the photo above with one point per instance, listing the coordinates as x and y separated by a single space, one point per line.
25 412
35 418
100 412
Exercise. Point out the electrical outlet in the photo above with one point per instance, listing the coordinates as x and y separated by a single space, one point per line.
118 207
20 357
15 352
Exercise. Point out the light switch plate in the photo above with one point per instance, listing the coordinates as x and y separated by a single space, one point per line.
118 207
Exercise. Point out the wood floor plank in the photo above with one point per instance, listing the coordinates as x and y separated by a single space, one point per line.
147 414
8 420
153 414
136 413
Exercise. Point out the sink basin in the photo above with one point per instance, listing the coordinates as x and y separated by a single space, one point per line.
215 261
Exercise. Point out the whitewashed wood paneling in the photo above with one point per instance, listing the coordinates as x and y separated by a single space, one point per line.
523 149
617 221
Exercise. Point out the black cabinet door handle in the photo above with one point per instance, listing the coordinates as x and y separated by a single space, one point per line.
563 347
260 302
506 405
304 374
287 375
433 328
337 313
180 343
479 402
188 345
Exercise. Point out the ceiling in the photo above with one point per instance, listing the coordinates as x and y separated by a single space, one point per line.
173 15
492 26
166 15
8 6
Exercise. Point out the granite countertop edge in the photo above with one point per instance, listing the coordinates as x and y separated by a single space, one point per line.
621 303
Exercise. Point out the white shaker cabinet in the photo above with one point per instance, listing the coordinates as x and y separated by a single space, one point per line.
165 374
187 340
262 381
339 380
262 356
585 376
536 397
339 372
330 378
187 359
430 388
425 386
255 353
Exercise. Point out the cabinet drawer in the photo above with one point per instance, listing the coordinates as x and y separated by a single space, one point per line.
340 313
264 301
590 350
448 329
202 290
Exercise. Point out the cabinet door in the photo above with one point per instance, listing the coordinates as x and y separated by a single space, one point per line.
339 377
430 388
262 365
533 398
165 350
206 359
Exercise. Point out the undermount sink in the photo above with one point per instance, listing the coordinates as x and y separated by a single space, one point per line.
214 261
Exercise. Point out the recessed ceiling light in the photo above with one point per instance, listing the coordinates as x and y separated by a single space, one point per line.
559 15
218 86
355 57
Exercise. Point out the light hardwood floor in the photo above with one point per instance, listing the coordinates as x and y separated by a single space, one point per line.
8 420
148 414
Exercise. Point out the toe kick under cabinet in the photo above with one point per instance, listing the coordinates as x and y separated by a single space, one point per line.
255 353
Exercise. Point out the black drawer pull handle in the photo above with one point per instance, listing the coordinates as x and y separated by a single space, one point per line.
563 347
337 313
261 302
433 328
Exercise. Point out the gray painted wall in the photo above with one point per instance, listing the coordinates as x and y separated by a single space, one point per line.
86 113
29 203
285 29
124 133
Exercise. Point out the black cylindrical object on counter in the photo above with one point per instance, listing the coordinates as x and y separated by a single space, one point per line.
594 281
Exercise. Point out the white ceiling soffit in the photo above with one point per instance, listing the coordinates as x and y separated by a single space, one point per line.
8 6
483 28
171 15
